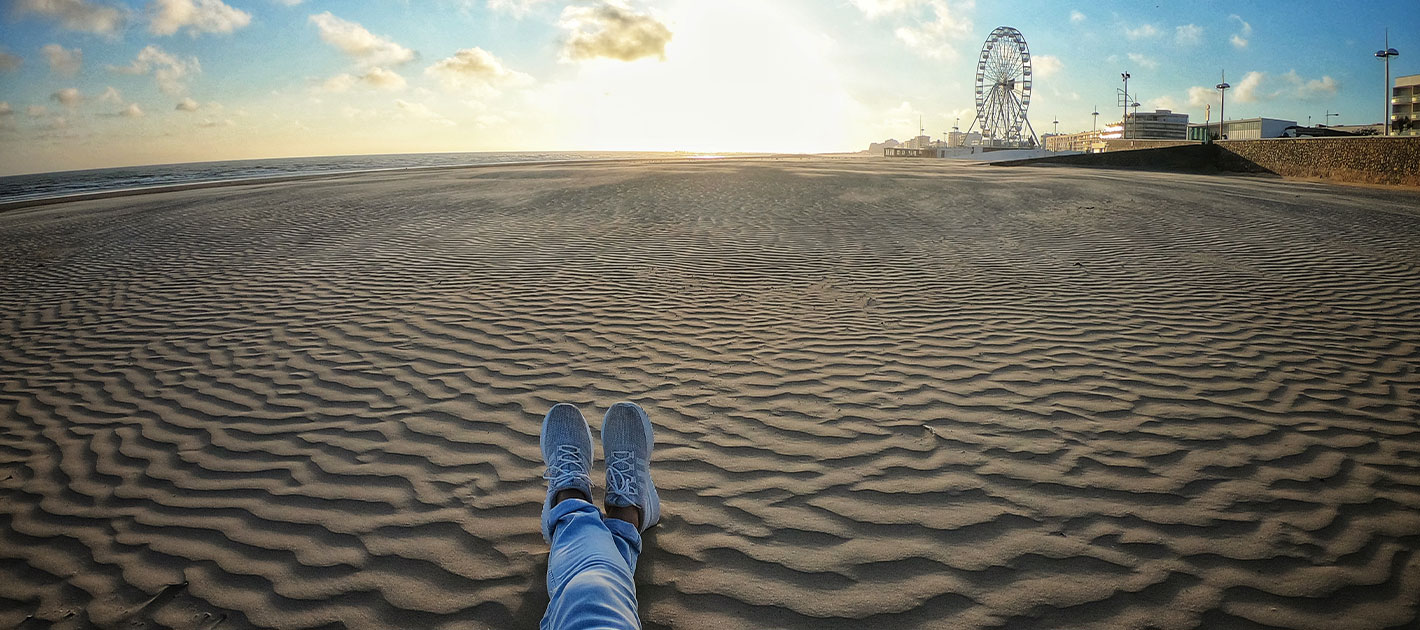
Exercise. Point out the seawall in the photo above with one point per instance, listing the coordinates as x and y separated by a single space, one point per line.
1370 160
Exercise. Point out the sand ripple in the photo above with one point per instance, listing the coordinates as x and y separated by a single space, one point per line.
888 395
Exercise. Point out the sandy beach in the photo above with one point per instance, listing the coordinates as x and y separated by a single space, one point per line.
887 394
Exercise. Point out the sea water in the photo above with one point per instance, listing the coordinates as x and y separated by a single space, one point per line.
67 183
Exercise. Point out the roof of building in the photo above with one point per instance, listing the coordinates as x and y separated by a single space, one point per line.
1243 120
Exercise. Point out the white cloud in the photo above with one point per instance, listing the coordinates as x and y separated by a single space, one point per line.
289 3
1141 31
517 8
338 83
1248 89
1144 60
5 109
168 70
1246 28
186 105
1163 102
358 42
938 38
1076 17
75 15
208 122
1188 34
879 8
378 78
1239 38
111 95
1044 66
383 79
65 61
36 111
420 111
612 30
9 62
1200 95
475 67
132 111
68 97
1310 89
196 16
931 28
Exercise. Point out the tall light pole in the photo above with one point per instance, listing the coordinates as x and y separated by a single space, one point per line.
1222 104
1096 114
1124 122
1329 114
1057 125
1385 54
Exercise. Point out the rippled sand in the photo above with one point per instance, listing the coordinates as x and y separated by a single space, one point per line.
887 394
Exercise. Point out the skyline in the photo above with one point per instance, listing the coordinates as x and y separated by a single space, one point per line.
90 83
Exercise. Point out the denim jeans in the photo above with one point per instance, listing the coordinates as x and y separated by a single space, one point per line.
590 569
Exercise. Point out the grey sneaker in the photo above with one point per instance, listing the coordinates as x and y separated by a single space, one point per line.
567 451
627 441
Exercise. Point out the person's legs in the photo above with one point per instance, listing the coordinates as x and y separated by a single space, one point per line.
589 570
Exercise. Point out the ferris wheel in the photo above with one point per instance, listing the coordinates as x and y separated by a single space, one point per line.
1003 85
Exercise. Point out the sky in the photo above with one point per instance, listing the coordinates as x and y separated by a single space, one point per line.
101 83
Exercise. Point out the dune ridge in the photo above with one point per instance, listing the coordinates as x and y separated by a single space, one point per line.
887 394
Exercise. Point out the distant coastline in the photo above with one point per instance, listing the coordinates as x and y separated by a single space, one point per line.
43 188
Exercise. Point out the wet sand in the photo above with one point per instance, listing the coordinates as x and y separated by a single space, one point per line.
891 394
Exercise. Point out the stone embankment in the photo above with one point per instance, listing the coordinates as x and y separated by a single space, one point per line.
1370 160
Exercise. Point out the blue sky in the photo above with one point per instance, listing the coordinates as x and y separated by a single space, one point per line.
92 83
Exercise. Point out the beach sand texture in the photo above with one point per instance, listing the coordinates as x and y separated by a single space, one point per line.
887 394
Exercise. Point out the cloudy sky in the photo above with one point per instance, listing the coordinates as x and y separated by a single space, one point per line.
95 83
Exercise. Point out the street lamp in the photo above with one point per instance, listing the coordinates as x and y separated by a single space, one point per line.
1096 122
1222 104
1385 54
1057 125
1124 122
1329 114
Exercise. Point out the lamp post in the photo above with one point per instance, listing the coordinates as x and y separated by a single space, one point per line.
1124 122
1057 125
1096 114
1329 114
1385 54
1222 104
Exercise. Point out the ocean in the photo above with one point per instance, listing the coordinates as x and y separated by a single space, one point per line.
67 183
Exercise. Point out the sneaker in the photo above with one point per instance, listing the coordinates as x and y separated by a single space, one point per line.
627 440
567 451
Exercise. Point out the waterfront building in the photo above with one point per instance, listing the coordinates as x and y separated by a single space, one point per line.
1405 105
1084 141
1244 129
1160 124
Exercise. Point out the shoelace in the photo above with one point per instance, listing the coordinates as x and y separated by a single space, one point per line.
566 468
621 478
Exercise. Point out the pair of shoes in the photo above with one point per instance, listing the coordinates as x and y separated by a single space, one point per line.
627 440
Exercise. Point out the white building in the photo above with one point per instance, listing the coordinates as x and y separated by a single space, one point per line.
1405 105
959 139
1245 129
1160 124
920 142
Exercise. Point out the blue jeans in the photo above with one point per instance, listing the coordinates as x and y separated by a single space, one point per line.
590 569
